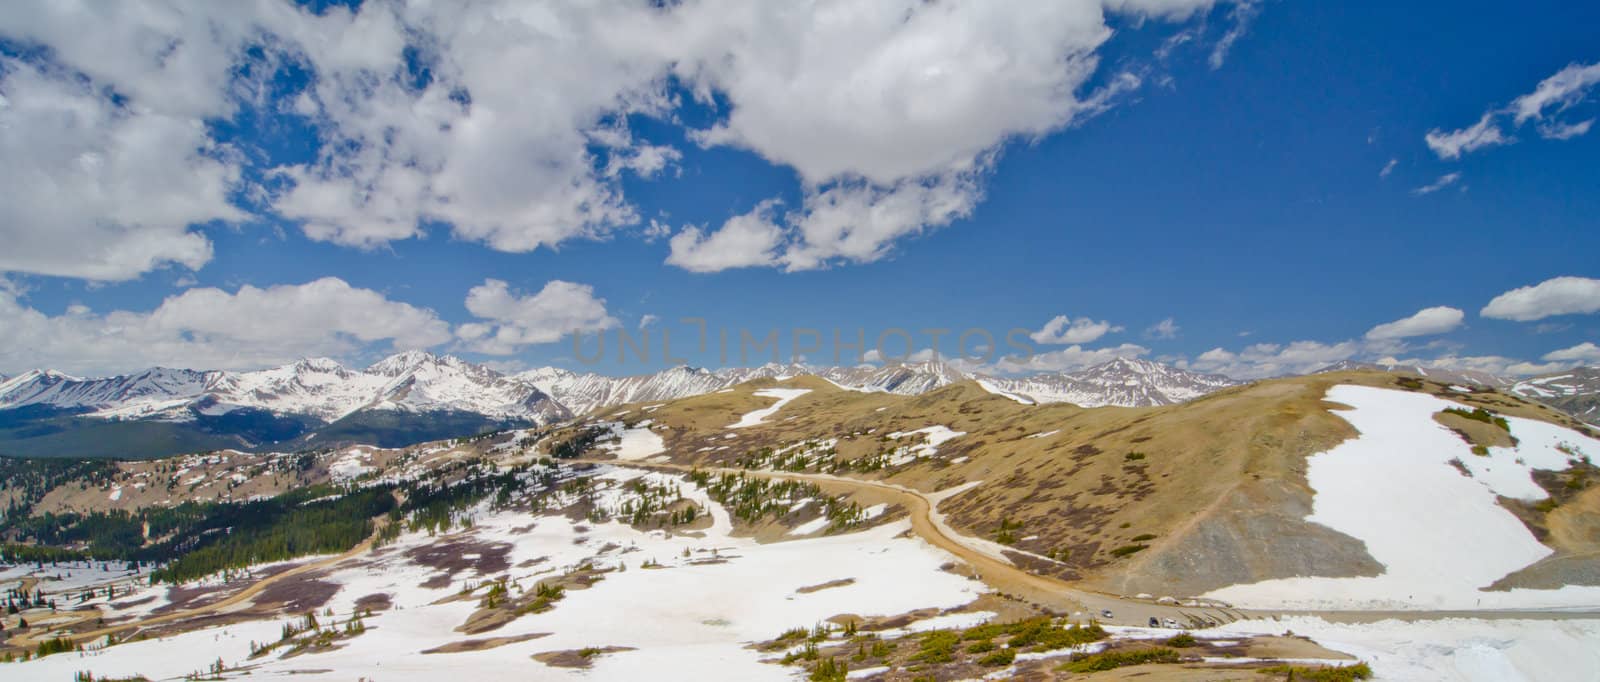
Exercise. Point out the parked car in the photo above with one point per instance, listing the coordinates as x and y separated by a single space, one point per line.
1106 613
1171 623
1154 622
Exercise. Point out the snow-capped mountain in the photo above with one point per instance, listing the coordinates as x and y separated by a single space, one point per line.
1130 383
1123 382
1576 391
317 387
908 378
581 392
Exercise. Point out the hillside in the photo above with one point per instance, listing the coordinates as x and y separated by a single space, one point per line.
1181 500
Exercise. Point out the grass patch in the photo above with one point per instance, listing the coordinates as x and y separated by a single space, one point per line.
1182 641
999 657
1479 414
1111 660
1127 550
1347 673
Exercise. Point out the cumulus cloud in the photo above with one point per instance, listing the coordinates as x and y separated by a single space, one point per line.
512 320
1489 364
1444 181
1545 106
1556 296
1425 322
100 190
208 328
1062 329
896 111
743 241
507 122
1585 352
1264 360
1165 329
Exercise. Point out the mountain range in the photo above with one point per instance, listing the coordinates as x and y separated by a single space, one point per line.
414 396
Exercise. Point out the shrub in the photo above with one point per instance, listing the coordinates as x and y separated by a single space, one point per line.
1133 456
999 657
1479 414
1348 673
1126 550
1182 641
1111 660
938 646
1143 537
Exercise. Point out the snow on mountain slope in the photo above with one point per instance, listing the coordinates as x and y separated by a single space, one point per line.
314 386
319 387
1124 382
910 378
54 389
1576 391
1131 383
1439 530
424 382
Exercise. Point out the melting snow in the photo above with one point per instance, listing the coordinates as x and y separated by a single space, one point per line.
784 395
1442 536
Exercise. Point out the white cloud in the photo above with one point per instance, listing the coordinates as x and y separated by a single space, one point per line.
512 320
1425 322
1552 97
1264 360
1556 296
859 223
1388 168
1062 329
1444 181
1241 15
889 112
207 328
1585 352
1070 358
100 191
1490 364
647 320
1565 131
1451 145
744 241
1556 94
1165 329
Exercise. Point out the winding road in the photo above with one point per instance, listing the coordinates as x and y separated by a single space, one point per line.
1064 597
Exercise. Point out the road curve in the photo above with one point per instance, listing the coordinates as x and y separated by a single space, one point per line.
1064 597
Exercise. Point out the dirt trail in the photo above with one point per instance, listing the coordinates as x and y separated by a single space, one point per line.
31 639
1045 591
1065 597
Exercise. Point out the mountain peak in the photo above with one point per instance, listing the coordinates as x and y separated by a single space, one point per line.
405 361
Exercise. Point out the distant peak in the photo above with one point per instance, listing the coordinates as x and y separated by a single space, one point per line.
319 364
404 361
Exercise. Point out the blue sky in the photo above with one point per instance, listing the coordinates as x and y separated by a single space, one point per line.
1256 175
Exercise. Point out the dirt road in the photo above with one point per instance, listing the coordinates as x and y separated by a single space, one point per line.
1045 591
